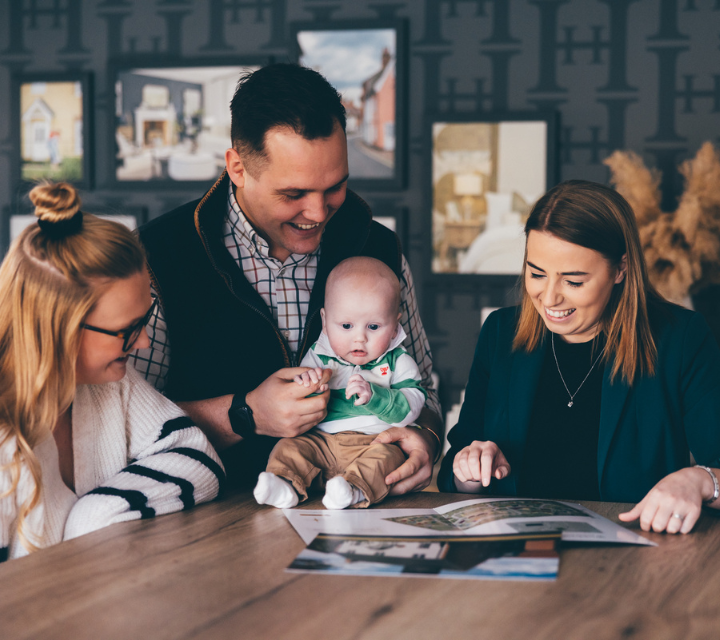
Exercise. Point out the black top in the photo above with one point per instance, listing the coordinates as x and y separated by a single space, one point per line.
560 459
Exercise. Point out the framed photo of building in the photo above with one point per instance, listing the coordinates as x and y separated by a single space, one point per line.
53 127
486 172
171 124
366 62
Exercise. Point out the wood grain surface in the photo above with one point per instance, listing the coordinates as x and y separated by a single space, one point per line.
218 572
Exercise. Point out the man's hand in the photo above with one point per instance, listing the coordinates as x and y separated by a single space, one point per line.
416 472
357 385
280 406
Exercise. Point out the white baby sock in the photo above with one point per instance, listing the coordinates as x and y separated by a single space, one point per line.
275 491
339 494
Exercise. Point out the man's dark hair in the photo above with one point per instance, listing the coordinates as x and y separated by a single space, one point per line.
282 95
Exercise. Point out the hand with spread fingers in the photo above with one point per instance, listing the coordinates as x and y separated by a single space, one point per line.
674 504
477 464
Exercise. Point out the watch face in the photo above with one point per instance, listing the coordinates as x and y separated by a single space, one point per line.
244 421
241 420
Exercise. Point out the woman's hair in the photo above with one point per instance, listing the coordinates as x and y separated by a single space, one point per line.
594 216
51 277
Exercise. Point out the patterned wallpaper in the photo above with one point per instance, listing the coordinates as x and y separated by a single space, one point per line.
623 74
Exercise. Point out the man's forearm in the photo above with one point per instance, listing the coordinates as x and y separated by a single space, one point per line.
431 420
211 415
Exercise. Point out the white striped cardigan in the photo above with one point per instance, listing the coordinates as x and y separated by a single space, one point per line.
136 455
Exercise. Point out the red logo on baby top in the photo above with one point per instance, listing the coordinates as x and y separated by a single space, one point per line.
384 370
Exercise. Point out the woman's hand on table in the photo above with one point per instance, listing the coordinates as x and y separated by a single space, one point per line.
673 504
479 463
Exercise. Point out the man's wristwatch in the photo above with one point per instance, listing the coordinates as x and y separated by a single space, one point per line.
241 417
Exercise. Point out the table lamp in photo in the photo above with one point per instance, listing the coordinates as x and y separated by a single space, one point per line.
469 187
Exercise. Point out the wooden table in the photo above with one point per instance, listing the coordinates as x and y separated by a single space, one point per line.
218 572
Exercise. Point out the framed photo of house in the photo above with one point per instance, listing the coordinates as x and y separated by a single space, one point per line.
366 62
486 172
171 124
53 127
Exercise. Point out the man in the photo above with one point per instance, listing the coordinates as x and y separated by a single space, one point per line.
241 274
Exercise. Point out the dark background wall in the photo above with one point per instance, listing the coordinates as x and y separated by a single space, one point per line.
623 74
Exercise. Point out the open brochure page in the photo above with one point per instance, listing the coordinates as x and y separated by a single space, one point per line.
478 517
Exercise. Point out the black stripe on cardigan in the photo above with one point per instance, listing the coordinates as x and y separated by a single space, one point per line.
135 499
187 490
176 424
205 459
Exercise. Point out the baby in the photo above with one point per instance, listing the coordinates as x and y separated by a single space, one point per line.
375 385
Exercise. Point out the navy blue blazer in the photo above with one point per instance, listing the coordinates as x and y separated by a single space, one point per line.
646 431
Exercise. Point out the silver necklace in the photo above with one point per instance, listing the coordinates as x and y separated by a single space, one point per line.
572 395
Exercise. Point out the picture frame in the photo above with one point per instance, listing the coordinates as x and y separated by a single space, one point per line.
395 219
171 119
15 219
485 171
53 127
366 61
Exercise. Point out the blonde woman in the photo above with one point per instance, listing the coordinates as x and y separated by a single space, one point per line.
594 388
84 440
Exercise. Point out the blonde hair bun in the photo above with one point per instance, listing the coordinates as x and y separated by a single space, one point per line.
55 202
57 208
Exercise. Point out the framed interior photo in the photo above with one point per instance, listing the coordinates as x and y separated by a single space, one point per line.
366 62
53 127
486 173
172 121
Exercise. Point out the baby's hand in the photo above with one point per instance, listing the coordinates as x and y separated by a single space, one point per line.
311 377
357 385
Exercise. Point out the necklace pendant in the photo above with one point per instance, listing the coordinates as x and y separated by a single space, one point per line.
570 404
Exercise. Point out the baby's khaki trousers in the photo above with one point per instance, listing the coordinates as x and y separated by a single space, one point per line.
348 454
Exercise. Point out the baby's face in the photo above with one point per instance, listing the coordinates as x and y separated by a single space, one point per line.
360 322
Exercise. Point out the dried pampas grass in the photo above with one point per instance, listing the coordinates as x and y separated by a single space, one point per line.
682 248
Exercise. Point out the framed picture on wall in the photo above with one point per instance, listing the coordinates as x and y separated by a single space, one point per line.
15 219
52 125
171 124
395 219
486 172
366 62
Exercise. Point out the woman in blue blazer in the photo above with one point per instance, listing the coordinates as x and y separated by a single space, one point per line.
594 387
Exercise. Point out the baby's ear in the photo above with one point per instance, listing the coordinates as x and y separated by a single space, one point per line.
322 315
